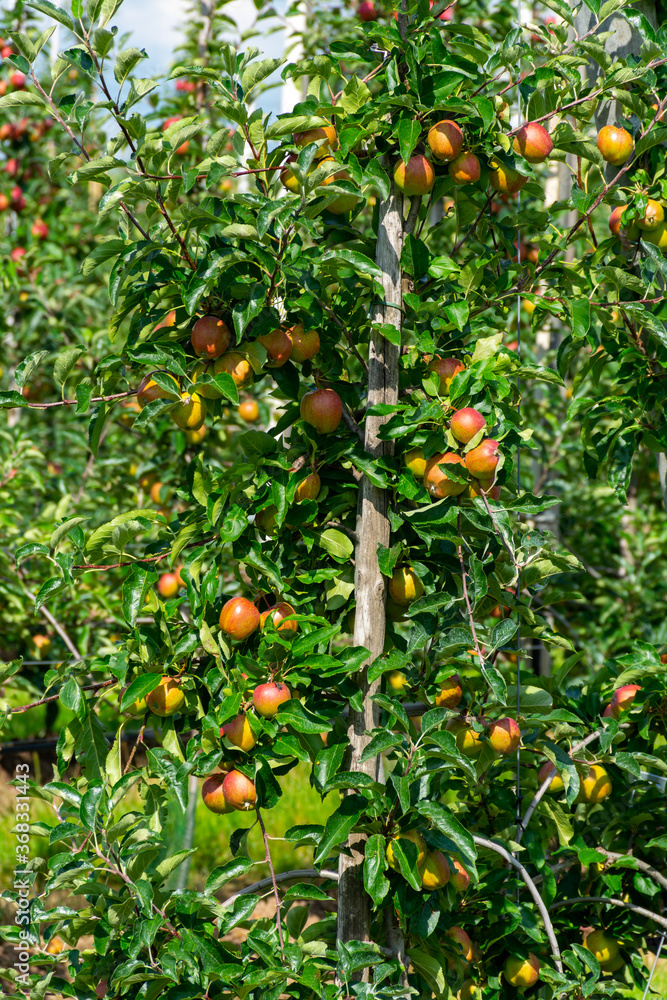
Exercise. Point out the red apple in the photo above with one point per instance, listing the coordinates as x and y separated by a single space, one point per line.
186 86
367 11
533 142
436 480
465 169
481 462
17 80
210 337
267 698
608 713
446 369
17 200
168 585
504 736
459 878
477 485
416 177
213 795
445 140
504 179
4 202
239 732
239 618
309 488
39 229
305 343
276 614
278 348
239 791
466 423
12 167
623 698
322 409
17 253
615 144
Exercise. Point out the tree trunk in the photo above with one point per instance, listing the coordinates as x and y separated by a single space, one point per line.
372 529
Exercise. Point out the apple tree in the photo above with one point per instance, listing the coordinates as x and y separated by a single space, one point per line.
355 580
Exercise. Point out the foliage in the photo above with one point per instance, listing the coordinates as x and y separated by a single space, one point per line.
195 219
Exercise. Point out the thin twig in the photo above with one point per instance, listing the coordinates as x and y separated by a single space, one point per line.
574 900
140 739
276 894
72 402
466 597
291 876
54 697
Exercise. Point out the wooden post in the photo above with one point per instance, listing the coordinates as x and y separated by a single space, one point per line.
372 529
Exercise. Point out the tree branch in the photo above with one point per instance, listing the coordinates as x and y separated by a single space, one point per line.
574 900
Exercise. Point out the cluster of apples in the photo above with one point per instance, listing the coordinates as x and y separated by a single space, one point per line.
211 339
446 143
229 789
650 226
481 461
436 872
16 132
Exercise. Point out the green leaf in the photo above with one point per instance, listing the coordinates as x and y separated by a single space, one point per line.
415 257
104 251
63 530
408 134
236 868
447 823
338 545
339 825
21 98
268 787
292 713
356 260
138 689
51 10
384 741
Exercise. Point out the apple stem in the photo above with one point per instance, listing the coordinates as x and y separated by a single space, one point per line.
273 880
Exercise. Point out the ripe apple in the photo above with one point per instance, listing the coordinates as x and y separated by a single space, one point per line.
466 423
12 167
55 946
325 137
168 585
367 11
17 80
322 409
305 344
186 86
415 462
465 169
239 732
481 462
450 693
522 972
308 488
267 698
504 736
461 943
470 991
615 145
213 795
4 202
416 177
17 253
607 714
445 140
616 227
237 366
436 481
469 743
533 142
505 179
278 348
556 786
596 786
623 698
190 414
239 791
249 411
166 698
17 200
478 485
435 871
405 586
276 614
210 337
603 946
343 202
39 229
654 216
414 838
149 390
459 878
239 618
446 369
